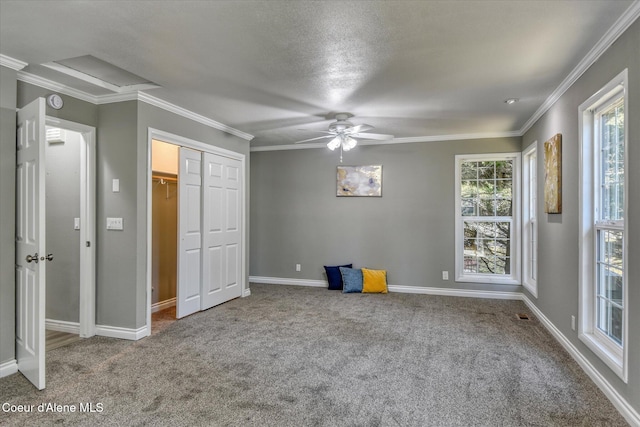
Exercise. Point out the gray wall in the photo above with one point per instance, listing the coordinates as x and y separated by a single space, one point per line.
297 219
558 237
116 263
74 110
63 241
7 212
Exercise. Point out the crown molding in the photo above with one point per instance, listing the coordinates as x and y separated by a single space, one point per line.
452 137
409 140
157 102
117 97
13 63
56 87
131 96
619 27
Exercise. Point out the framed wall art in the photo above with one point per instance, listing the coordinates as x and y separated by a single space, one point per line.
553 175
359 181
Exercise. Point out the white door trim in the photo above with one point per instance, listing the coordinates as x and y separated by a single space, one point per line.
201 146
87 317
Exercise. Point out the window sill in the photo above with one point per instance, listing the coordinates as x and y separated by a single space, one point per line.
488 279
614 361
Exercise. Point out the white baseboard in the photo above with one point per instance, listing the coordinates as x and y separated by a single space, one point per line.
246 293
631 415
286 281
467 293
7 368
122 333
393 288
162 305
62 326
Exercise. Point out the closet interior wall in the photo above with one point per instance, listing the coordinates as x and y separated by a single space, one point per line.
165 238
164 275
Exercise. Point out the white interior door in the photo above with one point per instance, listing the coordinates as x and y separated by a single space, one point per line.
30 243
221 225
189 232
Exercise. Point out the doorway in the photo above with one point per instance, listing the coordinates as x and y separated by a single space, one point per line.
70 227
62 205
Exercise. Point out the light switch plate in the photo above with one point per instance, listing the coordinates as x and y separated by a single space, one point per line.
115 224
115 185
76 223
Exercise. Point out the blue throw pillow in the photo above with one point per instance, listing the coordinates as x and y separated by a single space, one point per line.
352 280
334 277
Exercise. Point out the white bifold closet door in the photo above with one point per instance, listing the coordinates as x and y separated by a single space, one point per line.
221 225
210 221
189 232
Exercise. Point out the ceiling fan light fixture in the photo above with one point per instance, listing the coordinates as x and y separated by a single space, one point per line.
348 143
334 143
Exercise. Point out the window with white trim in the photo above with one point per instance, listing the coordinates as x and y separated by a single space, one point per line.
529 219
603 255
487 218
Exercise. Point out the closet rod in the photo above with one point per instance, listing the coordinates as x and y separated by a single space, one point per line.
166 178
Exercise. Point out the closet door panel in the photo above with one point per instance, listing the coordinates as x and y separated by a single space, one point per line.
188 298
222 224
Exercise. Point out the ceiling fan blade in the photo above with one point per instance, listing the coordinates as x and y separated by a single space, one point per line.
378 136
358 128
314 139
318 131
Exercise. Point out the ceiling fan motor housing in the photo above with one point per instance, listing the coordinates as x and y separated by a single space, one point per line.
342 123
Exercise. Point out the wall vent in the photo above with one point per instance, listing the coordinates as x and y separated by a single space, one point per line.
523 316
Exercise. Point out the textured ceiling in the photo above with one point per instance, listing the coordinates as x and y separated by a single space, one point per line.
270 68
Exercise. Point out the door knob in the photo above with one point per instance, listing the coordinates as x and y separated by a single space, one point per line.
49 257
33 258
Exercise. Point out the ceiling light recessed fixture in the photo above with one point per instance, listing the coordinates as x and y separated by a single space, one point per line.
511 101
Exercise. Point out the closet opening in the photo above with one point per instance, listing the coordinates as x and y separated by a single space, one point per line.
164 240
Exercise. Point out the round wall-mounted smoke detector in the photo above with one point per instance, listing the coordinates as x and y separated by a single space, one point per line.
55 101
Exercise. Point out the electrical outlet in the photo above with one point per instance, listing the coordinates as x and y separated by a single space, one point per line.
298 267
445 275
573 323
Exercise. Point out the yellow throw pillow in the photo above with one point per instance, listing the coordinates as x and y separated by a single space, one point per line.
374 281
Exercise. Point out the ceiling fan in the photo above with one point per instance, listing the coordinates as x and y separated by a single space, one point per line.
345 135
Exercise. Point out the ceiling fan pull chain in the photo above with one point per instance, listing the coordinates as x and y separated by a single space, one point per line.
340 153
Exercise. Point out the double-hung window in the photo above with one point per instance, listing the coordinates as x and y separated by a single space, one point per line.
603 258
487 218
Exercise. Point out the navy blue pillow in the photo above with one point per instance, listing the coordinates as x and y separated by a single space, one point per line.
334 277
